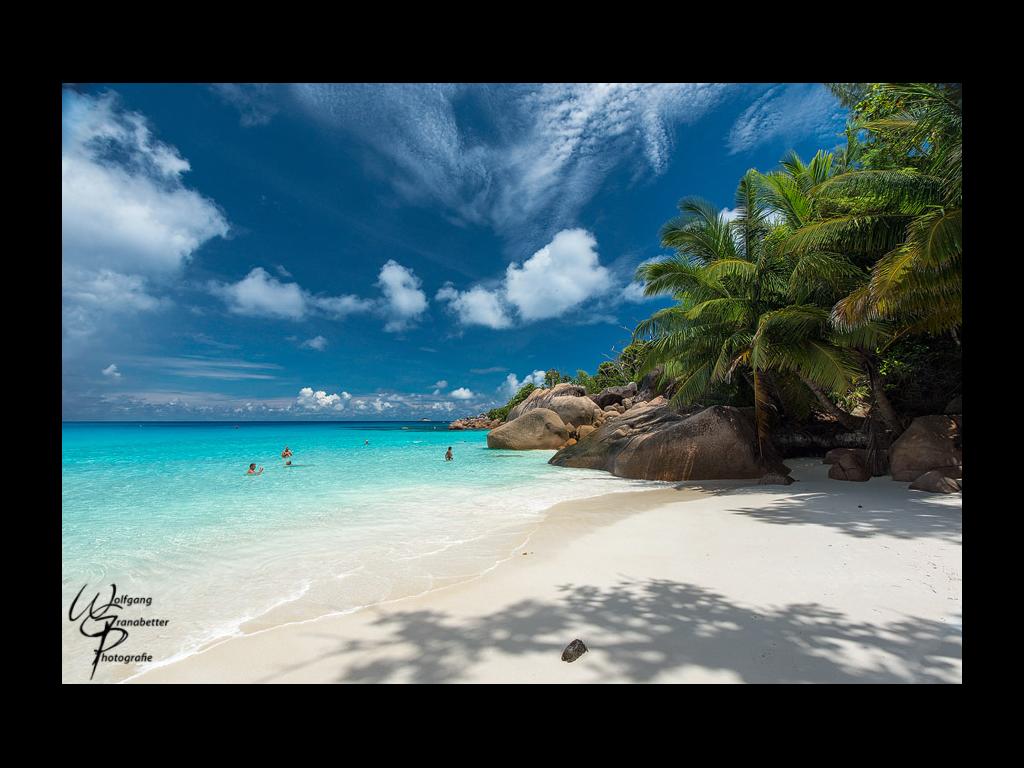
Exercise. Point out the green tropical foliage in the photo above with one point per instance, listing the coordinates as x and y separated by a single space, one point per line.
824 265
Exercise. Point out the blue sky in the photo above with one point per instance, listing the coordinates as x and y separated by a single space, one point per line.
379 251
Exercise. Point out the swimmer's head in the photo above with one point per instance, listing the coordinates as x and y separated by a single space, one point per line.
252 466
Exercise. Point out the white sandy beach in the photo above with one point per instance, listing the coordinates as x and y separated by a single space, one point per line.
820 581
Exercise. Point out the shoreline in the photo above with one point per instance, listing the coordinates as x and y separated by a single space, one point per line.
254 624
738 583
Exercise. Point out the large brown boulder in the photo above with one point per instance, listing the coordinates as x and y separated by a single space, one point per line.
936 481
930 442
575 410
849 465
541 398
538 428
653 441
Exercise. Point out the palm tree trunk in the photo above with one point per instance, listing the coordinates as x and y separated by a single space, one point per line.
847 420
885 408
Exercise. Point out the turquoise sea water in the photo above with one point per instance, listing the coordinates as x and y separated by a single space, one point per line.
165 510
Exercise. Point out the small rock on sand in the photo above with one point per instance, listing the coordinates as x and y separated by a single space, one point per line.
574 650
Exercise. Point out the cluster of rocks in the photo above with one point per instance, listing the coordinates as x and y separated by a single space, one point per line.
634 432
475 422
928 453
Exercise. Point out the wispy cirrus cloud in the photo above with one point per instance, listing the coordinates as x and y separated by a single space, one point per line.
541 155
257 103
202 367
786 113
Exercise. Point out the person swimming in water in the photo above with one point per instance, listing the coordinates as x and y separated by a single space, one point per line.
252 470
448 456
366 442
286 454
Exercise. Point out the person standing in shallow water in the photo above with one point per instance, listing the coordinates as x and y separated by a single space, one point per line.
448 456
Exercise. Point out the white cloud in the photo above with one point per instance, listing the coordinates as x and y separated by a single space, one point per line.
787 113
127 218
340 307
440 384
258 294
558 277
462 394
405 301
319 343
320 400
111 371
477 306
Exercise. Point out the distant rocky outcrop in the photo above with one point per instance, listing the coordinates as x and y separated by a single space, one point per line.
930 442
475 422
654 441
535 429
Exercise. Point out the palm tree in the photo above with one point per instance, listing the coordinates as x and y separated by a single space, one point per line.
735 312
904 219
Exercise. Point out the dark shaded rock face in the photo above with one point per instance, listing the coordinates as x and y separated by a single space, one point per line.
956 405
653 441
835 454
815 438
574 650
930 442
614 395
849 465
936 482
649 388
538 428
